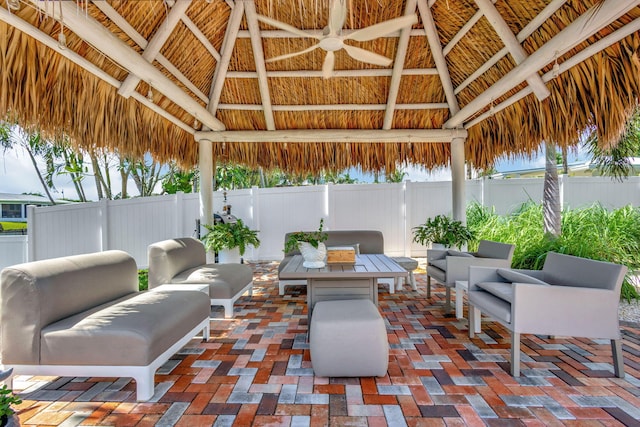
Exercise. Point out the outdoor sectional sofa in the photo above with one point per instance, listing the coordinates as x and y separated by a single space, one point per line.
83 316
183 261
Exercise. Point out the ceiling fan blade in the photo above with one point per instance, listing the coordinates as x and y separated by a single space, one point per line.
291 55
286 27
367 56
383 28
327 66
337 16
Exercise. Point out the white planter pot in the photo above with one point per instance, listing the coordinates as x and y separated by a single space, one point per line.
313 257
229 256
439 246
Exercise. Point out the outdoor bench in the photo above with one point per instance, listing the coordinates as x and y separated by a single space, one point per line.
83 316
183 261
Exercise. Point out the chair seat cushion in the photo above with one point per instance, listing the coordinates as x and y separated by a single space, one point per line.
518 277
225 280
132 331
501 290
495 307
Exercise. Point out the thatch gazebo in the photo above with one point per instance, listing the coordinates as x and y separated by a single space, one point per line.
433 83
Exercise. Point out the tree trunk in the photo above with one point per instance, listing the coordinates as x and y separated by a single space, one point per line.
551 209
44 185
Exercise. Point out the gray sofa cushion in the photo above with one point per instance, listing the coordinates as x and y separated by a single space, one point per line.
496 307
518 277
36 294
440 263
133 331
170 257
225 280
491 249
501 290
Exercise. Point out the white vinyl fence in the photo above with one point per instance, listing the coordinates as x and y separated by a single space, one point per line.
132 224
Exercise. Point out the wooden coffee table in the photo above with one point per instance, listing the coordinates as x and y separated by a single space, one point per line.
343 281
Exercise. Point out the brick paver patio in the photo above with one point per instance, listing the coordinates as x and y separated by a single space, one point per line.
256 370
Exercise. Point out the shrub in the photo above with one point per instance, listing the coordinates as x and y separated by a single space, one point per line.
143 279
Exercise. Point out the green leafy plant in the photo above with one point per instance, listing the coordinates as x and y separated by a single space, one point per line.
143 279
444 230
7 398
312 237
229 236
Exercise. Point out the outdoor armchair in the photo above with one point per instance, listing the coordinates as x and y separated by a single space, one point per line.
570 296
446 266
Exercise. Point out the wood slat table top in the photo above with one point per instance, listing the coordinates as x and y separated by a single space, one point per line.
367 265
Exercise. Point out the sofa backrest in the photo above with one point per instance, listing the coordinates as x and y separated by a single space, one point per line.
170 257
568 270
36 294
370 241
490 249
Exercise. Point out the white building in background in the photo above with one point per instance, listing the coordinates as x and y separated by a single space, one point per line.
587 168
13 207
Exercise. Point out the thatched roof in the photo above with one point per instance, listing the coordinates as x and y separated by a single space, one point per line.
208 62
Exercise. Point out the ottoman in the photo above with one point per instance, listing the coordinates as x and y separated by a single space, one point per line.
348 338
408 264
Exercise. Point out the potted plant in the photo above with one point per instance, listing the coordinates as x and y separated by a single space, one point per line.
310 244
7 398
444 231
230 240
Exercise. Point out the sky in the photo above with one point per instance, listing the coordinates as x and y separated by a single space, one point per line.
17 175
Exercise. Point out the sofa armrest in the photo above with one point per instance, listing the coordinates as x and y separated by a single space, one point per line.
565 310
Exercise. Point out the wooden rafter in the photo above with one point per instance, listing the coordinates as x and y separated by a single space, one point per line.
155 44
72 56
335 135
258 56
374 72
91 31
231 33
335 107
579 30
122 23
517 51
438 56
398 66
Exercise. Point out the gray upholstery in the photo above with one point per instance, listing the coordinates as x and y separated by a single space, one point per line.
83 315
183 260
34 295
134 330
580 298
446 269
348 339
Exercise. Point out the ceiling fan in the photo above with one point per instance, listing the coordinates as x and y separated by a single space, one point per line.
332 38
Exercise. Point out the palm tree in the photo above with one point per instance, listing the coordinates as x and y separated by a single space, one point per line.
551 209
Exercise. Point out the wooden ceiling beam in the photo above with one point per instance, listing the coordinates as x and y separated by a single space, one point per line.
398 66
88 29
121 23
513 45
375 72
583 55
335 135
522 35
438 56
155 44
579 30
335 107
258 56
230 36
281 34
13 20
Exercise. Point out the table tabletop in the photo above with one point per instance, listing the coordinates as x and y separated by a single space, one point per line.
366 266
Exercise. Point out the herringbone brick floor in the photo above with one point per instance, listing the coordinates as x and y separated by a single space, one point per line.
256 370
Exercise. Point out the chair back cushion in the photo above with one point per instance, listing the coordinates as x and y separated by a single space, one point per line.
171 257
568 270
490 249
36 294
